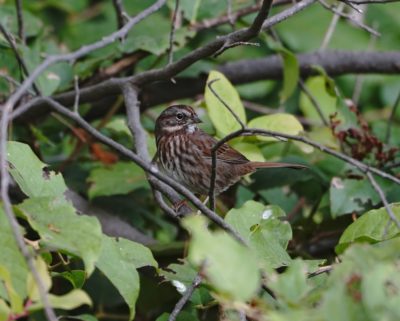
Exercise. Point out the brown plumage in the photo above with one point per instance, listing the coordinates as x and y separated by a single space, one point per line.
184 153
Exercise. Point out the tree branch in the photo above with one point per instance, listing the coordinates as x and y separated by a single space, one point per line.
335 63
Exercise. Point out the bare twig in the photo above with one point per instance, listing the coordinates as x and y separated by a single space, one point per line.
382 196
76 87
391 117
332 26
209 84
370 1
19 58
314 102
20 19
185 297
322 269
122 16
350 18
172 33
136 128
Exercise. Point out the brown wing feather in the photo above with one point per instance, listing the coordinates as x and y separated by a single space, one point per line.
225 153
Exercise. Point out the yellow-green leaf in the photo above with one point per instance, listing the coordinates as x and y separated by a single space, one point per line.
222 119
281 122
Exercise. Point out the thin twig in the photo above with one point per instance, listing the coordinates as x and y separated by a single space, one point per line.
172 33
350 18
314 102
214 150
120 12
20 19
382 196
332 26
19 58
133 116
322 269
391 117
209 85
185 297
76 87
231 19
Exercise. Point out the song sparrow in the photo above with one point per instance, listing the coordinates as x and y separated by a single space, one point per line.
184 153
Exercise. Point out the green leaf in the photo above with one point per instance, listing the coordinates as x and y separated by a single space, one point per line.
5 311
136 253
31 285
281 123
16 302
75 277
220 116
291 285
69 301
60 227
83 317
230 267
180 274
32 24
119 178
152 35
317 86
10 256
350 195
291 73
250 150
120 270
267 234
31 174
380 291
373 226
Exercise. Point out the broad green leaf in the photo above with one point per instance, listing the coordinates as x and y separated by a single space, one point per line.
180 275
267 234
16 302
350 195
291 74
182 316
120 178
136 253
230 267
152 35
380 292
318 89
32 24
189 8
118 267
119 125
75 277
61 228
10 256
5 311
31 174
31 285
291 285
251 151
222 119
374 226
69 301
291 70
281 123
49 80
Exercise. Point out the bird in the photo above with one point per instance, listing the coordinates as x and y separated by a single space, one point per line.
184 153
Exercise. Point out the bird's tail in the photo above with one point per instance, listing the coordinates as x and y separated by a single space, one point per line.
277 165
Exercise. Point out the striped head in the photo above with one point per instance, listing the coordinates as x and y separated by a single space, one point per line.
176 118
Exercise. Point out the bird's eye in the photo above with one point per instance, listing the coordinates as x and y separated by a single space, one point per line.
179 116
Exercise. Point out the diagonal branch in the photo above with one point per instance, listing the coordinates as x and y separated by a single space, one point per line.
146 166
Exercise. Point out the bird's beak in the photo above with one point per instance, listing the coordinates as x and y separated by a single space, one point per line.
196 119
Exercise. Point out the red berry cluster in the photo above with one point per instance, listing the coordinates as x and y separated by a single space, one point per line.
360 142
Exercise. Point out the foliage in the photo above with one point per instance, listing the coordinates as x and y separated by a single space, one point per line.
294 223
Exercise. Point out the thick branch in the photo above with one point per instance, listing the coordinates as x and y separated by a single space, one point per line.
335 63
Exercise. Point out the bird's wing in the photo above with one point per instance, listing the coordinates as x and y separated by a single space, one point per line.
225 153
